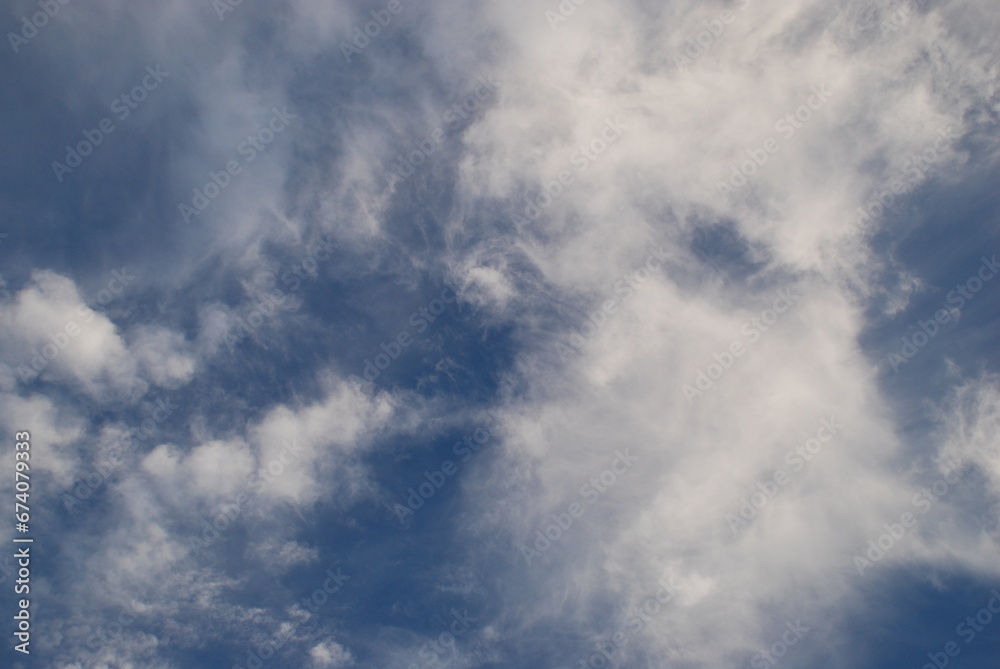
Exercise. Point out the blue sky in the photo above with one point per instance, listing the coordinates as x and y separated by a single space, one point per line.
503 335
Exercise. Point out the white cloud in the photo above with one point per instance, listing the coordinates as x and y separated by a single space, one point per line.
214 470
58 335
280 556
53 334
315 445
658 183
330 655
973 426
163 355
54 430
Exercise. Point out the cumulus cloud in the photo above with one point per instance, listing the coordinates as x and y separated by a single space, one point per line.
58 333
317 441
54 335
214 468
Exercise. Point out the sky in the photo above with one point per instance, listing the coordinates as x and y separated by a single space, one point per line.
500 335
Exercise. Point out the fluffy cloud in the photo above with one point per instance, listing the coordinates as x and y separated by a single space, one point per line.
58 334
323 437
330 655
53 334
